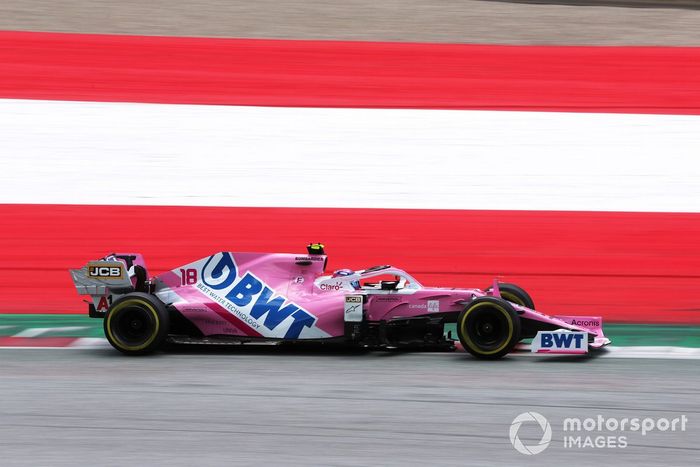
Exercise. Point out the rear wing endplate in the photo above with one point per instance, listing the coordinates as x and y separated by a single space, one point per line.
99 277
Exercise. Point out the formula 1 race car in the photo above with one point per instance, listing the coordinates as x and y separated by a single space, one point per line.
248 297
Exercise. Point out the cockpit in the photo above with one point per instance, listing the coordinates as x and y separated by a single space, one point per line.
385 283
378 278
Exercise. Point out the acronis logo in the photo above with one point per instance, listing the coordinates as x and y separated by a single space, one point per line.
251 300
560 342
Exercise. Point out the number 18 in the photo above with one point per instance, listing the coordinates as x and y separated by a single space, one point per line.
188 276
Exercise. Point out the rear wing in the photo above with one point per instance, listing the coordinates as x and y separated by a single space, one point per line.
100 277
115 274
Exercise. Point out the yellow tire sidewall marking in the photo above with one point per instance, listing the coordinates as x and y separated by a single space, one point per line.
124 304
512 298
471 344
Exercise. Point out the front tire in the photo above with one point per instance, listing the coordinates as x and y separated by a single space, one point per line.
514 294
488 328
136 324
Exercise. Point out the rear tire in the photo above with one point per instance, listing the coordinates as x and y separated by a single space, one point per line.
136 324
515 294
488 328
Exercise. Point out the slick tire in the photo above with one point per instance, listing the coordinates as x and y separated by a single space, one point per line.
488 328
136 324
515 294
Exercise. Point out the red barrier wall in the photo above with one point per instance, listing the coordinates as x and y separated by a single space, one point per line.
625 266
629 267
349 74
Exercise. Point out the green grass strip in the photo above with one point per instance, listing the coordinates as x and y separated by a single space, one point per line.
620 334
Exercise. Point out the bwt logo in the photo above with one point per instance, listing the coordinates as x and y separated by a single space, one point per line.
530 449
253 297
560 342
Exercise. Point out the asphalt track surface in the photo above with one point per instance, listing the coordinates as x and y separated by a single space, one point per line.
252 405
246 406
591 22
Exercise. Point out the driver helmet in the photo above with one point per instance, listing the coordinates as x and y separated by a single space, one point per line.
347 272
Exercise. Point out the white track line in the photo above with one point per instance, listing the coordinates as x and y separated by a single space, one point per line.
671 353
198 155
653 352
90 343
665 352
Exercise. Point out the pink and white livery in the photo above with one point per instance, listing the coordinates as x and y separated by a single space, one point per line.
278 297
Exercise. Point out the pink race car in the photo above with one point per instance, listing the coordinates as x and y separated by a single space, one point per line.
246 297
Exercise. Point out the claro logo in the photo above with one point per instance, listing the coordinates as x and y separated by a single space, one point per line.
105 270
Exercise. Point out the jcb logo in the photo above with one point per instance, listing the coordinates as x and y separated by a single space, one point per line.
105 270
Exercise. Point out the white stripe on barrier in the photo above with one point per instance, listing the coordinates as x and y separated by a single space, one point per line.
149 154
